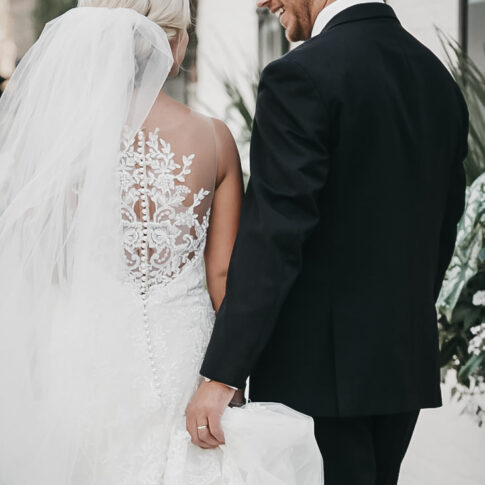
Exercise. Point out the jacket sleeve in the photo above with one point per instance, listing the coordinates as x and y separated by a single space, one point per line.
289 169
455 203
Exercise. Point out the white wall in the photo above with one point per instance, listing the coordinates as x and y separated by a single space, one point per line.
228 45
8 49
476 41
23 29
420 17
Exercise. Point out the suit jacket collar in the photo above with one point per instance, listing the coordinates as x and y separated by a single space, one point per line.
332 10
361 12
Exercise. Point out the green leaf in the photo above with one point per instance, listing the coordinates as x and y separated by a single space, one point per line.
471 366
472 318
448 350
462 311
472 83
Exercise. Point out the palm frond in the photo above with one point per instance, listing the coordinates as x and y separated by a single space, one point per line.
471 81
242 101
46 10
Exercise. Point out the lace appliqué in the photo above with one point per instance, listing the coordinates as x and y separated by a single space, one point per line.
162 231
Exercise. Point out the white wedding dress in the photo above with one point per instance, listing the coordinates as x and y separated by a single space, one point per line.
105 315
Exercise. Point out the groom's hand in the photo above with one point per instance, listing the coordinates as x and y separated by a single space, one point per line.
205 411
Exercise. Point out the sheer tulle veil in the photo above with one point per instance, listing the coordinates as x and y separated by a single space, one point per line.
64 386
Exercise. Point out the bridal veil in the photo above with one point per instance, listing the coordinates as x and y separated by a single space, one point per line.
64 360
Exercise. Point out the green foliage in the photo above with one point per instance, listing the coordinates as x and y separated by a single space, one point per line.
242 102
46 10
472 83
242 106
461 312
242 94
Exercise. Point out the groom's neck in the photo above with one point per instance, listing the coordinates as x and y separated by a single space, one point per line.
318 6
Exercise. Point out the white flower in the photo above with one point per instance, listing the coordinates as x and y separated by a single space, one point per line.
477 344
479 298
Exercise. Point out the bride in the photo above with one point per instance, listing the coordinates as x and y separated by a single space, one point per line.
118 211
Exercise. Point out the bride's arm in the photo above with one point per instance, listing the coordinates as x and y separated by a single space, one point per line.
226 208
224 223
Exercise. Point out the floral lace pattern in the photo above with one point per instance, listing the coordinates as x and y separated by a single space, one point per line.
161 227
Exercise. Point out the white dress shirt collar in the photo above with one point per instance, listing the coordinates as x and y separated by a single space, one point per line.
328 13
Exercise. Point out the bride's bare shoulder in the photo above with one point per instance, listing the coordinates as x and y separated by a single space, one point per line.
224 138
227 154
219 128
167 114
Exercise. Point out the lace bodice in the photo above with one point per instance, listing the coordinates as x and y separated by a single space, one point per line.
165 214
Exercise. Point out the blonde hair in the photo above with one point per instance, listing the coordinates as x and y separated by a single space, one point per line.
171 15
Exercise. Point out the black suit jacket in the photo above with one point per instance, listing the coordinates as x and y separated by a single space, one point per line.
348 224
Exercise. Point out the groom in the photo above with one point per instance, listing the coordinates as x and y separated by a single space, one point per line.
348 226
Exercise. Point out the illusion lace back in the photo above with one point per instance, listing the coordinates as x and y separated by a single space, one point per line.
165 213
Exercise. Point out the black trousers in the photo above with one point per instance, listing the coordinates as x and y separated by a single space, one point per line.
364 451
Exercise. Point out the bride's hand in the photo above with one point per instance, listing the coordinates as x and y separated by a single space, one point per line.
204 413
